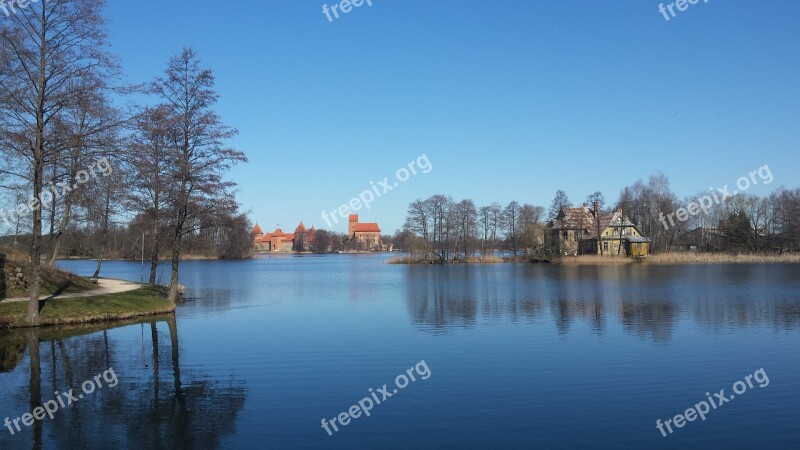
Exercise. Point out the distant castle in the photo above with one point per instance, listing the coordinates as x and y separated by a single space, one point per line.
278 241
367 235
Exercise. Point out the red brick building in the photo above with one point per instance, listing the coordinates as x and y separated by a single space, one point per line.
301 240
367 234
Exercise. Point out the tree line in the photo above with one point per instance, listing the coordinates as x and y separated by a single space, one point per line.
732 223
440 230
63 110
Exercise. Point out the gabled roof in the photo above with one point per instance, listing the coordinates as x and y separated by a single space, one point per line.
366 228
611 220
573 218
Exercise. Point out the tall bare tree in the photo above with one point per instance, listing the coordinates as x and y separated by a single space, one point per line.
151 163
50 46
510 223
198 142
85 131
597 201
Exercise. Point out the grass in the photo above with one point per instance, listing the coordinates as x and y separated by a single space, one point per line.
53 280
684 258
596 259
721 258
141 302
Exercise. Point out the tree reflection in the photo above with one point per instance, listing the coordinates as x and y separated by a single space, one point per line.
642 300
152 406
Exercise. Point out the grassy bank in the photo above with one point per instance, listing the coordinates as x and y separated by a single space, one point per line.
53 281
684 258
662 258
721 258
147 301
595 260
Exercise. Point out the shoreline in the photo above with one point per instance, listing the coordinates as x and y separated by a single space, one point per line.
657 259
107 308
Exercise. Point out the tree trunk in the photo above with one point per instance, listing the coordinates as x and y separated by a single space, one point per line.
55 241
32 313
176 257
69 198
104 236
154 254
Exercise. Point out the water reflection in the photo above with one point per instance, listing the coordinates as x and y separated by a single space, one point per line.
157 404
646 301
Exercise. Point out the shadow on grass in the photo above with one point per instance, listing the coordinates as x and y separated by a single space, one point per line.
55 294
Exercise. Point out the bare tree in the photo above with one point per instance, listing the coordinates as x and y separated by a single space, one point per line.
101 207
644 204
85 129
50 46
467 224
509 222
559 202
531 232
597 201
596 198
198 143
150 177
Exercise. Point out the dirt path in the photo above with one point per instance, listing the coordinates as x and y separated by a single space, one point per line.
105 286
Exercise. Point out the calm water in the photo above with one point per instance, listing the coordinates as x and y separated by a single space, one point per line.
518 356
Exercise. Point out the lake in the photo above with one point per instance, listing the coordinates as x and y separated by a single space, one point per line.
493 356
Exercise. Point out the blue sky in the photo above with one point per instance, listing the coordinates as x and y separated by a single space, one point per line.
509 100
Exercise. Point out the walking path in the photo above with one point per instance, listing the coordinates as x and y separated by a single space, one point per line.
105 286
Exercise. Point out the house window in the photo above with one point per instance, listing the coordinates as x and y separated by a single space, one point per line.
605 246
565 233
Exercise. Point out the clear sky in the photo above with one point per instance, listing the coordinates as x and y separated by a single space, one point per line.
509 100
